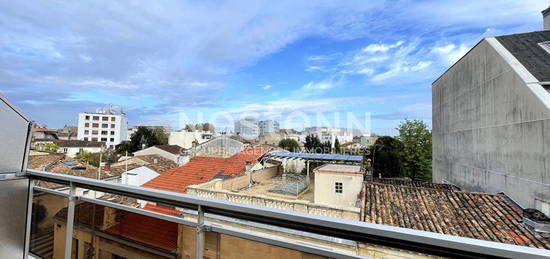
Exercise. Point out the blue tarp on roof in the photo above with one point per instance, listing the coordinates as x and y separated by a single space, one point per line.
314 156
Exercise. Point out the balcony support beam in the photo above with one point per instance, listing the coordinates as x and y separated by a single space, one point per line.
29 219
70 221
200 233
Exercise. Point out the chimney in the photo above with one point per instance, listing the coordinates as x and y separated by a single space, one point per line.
248 167
546 18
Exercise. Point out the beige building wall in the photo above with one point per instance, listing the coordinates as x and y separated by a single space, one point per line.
325 188
157 151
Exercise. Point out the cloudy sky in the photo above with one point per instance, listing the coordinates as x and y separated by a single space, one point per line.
167 62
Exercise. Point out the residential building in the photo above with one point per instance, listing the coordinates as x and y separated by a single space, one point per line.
189 139
171 152
67 133
71 147
41 133
133 130
290 134
268 126
326 134
491 114
221 146
103 126
247 128
546 18
338 184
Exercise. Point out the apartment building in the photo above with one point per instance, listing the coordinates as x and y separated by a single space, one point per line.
247 128
268 126
103 126
326 134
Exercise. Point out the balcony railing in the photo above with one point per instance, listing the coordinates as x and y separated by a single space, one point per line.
387 236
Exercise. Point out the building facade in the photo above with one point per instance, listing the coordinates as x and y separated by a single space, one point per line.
491 119
337 184
247 128
326 134
103 126
268 126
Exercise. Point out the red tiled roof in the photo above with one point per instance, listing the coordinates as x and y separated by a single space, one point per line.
203 169
147 230
483 216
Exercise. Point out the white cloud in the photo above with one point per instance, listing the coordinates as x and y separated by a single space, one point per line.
451 52
266 87
322 85
313 68
373 48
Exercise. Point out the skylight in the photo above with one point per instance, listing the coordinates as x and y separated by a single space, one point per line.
545 45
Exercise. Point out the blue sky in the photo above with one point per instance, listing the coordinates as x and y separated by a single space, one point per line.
166 62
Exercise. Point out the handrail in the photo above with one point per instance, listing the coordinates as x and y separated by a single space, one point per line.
396 237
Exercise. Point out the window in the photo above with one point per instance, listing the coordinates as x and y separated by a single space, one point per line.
87 117
105 126
86 124
84 193
96 118
86 132
112 140
65 150
95 125
74 248
85 138
112 133
104 132
94 132
94 139
104 139
338 187
105 118
113 119
80 150
112 126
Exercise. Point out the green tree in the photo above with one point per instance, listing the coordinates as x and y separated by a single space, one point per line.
161 135
289 144
313 144
189 127
416 153
386 156
47 147
337 148
143 138
94 158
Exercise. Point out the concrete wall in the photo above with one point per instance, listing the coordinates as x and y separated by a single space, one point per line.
325 192
185 139
213 190
73 151
242 181
491 129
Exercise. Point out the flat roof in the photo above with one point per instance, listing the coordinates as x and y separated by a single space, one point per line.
337 168
313 156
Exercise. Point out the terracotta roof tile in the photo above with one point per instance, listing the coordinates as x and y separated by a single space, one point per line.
483 216
203 169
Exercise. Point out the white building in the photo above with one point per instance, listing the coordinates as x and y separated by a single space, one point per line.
103 126
329 134
188 139
268 126
337 184
247 128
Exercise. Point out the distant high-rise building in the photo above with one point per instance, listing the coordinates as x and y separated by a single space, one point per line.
247 128
326 134
104 126
268 126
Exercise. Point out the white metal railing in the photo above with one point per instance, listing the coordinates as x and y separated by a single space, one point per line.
395 237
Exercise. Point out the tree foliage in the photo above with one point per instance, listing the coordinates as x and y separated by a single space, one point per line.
386 157
47 147
94 158
289 144
416 152
337 148
143 138
161 135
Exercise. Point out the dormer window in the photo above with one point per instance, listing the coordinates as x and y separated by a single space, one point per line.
545 45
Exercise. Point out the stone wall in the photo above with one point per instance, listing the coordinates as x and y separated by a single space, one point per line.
214 190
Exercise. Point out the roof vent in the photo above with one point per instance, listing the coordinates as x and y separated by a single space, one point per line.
545 45
536 222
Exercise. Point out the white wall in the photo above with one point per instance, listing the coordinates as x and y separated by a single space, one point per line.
138 176
157 151
325 188
185 139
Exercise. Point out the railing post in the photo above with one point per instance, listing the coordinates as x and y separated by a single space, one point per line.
70 222
200 233
29 219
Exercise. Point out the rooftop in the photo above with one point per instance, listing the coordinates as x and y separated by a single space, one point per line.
203 169
525 47
491 217
338 168
174 149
